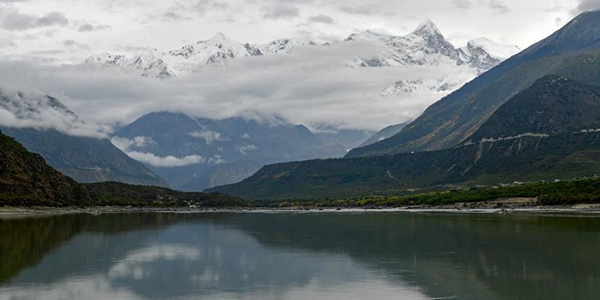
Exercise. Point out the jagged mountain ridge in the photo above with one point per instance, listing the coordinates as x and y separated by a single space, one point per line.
217 51
424 46
427 46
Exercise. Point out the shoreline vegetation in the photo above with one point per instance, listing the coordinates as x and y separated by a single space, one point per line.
512 205
569 196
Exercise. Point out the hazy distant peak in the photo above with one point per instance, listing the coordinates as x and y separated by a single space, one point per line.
219 36
427 28
497 50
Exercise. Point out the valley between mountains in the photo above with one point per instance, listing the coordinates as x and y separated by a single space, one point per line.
504 117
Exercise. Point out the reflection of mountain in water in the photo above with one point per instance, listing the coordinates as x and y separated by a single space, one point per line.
197 255
471 256
293 255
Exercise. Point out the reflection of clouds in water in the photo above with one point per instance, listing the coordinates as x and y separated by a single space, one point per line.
209 277
98 287
95 287
133 264
203 260
358 290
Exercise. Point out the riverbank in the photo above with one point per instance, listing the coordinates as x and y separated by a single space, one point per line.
495 206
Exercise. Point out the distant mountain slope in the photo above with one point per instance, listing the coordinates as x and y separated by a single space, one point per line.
84 159
35 121
573 51
224 151
384 134
549 131
506 161
25 179
552 105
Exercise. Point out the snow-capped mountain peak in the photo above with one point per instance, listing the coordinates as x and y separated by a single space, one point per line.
149 56
215 51
150 63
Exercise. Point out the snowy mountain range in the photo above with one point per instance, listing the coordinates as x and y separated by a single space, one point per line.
216 51
425 46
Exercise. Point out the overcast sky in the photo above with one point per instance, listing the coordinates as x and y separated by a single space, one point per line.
47 28
38 36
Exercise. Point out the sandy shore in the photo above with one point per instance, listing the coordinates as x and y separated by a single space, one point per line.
495 206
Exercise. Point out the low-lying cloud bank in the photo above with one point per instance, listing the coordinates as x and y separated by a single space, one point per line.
169 161
314 85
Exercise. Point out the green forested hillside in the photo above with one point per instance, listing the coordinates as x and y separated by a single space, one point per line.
26 180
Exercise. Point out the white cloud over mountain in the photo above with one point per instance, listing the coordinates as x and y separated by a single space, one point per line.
313 85
154 160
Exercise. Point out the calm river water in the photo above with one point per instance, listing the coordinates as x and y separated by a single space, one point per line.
371 255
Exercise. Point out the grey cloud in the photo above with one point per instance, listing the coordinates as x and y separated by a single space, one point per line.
51 19
75 45
321 19
182 11
204 6
87 27
281 11
366 10
171 16
586 5
498 6
463 4
19 21
6 43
